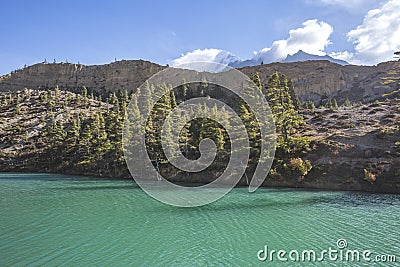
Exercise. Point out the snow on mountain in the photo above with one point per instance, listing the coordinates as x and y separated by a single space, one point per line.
197 60
225 58
303 56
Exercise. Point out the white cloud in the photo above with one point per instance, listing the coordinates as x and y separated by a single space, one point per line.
197 55
346 56
378 36
188 60
312 38
374 40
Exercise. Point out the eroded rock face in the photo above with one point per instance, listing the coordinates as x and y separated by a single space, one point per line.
123 75
314 80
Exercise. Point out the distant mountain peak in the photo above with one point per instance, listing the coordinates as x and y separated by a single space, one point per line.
264 56
301 56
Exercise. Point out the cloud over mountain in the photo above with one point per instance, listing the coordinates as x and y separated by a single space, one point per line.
312 38
374 40
206 55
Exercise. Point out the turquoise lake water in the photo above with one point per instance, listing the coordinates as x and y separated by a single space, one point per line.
55 220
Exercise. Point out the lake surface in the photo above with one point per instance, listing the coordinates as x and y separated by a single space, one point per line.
55 220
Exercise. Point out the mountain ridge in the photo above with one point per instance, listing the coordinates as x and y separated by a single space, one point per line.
313 80
301 56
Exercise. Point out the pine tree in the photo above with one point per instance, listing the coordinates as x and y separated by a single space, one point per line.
183 90
293 95
144 96
17 110
255 77
347 103
115 102
285 115
85 140
167 141
133 129
184 137
57 92
328 103
310 105
172 99
335 104
123 108
59 133
114 124
84 92
72 136
212 129
204 83
100 142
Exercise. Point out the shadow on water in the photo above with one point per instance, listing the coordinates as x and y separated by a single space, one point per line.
40 176
359 199
264 202
91 188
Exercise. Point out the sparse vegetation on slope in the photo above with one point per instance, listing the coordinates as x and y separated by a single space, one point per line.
349 146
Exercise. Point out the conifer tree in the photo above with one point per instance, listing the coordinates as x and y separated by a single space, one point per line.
101 142
347 103
172 99
183 90
86 139
328 103
84 92
293 95
285 115
17 110
310 105
255 77
72 136
144 96
335 104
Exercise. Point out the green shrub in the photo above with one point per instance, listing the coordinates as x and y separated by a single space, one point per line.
299 167
369 176
274 174
294 144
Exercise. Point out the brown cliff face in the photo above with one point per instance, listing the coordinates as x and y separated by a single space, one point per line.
123 75
313 80
318 79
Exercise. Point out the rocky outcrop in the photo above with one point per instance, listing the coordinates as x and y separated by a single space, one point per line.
123 75
315 80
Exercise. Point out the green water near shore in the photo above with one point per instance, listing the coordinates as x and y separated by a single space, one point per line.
55 220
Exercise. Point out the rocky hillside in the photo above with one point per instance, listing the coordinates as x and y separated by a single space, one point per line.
315 80
318 80
352 148
123 75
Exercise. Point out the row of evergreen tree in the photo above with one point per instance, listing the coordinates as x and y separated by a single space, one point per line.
92 141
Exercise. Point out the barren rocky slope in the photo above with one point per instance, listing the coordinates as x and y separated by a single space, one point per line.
318 80
352 148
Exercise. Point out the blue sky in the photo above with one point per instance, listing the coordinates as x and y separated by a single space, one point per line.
97 32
